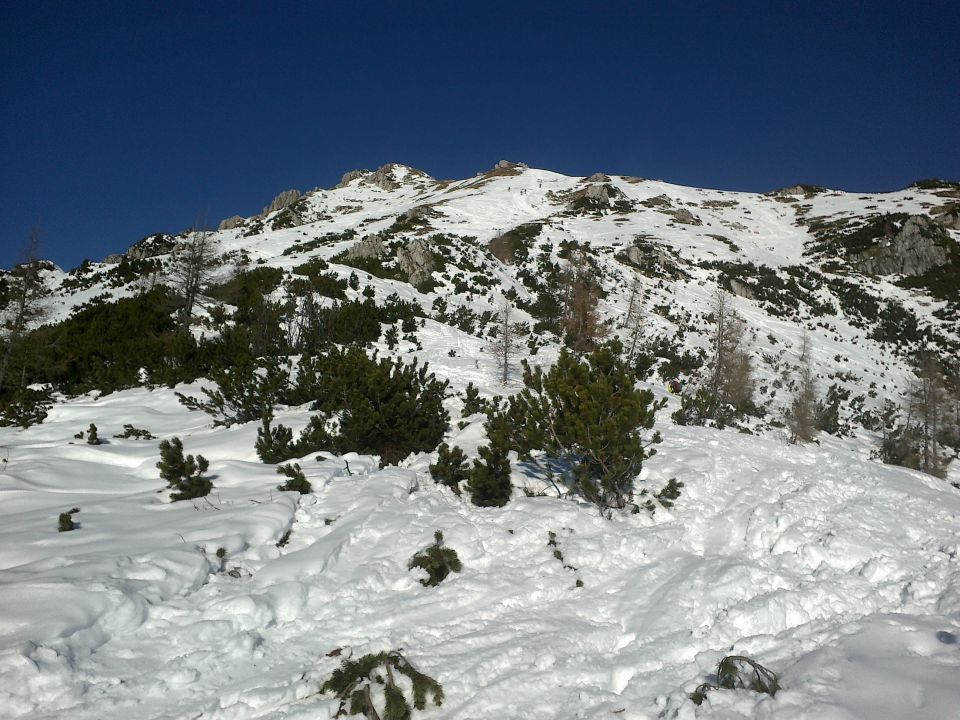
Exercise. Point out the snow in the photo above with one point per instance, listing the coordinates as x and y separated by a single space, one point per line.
838 573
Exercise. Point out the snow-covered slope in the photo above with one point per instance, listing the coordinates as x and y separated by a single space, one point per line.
837 572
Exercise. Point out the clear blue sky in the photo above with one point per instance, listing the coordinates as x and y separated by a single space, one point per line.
122 119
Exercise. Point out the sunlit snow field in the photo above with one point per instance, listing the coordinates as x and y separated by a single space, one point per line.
840 574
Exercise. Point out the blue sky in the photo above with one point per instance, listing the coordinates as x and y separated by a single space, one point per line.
124 119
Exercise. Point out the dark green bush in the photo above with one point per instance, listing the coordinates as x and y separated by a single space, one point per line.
351 683
437 560
450 468
183 474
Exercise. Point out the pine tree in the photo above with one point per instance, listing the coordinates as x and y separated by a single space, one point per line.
92 438
472 402
437 560
927 408
183 474
590 415
450 468
25 293
352 683
581 293
296 480
489 482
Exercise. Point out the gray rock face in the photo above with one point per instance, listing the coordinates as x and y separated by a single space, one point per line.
598 178
349 177
416 261
920 245
284 199
368 247
741 289
230 223
684 216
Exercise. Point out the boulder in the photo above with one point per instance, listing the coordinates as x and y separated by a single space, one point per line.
416 260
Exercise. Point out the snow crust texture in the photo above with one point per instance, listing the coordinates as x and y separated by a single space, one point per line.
838 573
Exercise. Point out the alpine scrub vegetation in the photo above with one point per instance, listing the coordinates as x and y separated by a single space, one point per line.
371 681
590 415
65 521
183 474
450 468
737 672
437 560
296 480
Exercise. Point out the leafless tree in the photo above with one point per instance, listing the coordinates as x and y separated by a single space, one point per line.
634 320
25 291
505 344
731 375
927 411
193 267
581 293
802 416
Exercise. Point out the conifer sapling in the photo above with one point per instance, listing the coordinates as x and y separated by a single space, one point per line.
437 560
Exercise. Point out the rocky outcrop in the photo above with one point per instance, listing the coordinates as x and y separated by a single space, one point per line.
921 244
598 178
230 223
384 177
150 246
369 247
416 260
685 217
284 199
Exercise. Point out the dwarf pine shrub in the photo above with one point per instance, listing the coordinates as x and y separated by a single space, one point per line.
92 438
183 474
450 468
437 560
65 522
738 672
296 480
134 433
353 682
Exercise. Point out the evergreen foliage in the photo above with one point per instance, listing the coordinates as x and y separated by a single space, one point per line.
92 438
472 402
589 414
25 407
131 432
489 482
353 683
247 391
296 480
737 672
183 474
386 407
437 560
450 468
65 521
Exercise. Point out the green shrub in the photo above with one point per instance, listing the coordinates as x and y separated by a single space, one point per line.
737 672
247 391
352 684
183 474
589 414
450 468
437 560
92 437
296 480
131 432
65 521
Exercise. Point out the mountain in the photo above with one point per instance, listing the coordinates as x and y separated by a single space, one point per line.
830 567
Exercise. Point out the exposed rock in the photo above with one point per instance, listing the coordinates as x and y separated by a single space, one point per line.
369 247
150 246
416 261
741 289
805 191
598 178
284 199
230 223
919 246
684 216
659 201
349 177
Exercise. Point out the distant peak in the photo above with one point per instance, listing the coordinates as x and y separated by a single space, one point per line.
387 177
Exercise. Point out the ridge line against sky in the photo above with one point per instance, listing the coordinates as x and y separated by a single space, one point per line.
125 119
